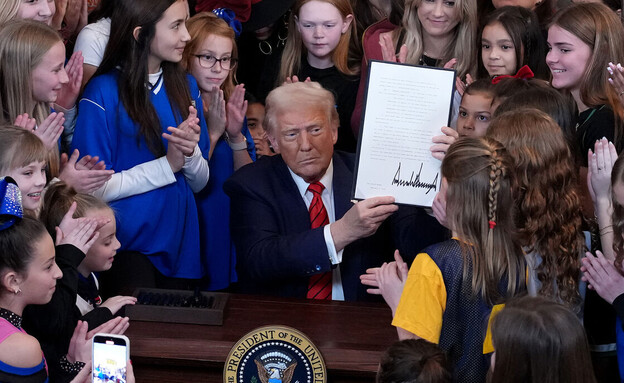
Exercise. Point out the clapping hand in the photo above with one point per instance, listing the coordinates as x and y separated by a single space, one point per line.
599 165
236 110
387 280
71 89
84 175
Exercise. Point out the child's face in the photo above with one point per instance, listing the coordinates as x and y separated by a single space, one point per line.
474 115
49 76
170 37
498 51
255 117
39 281
567 58
31 179
101 255
321 25
215 46
39 10
438 17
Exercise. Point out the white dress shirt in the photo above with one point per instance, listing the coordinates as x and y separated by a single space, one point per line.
328 200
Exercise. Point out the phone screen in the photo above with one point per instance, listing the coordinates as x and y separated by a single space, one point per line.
110 354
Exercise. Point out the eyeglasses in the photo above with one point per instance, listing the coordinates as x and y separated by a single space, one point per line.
207 62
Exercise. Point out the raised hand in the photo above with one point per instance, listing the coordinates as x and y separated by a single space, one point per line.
262 144
116 326
50 129
84 175
602 276
25 122
236 110
182 140
616 79
186 136
600 162
214 109
90 163
387 280
71 89
388 50
83 236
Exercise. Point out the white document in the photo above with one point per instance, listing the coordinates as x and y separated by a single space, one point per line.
405 107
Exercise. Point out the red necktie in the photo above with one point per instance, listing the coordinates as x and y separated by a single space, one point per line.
320 285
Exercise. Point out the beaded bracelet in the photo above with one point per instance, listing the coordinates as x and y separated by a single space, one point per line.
72 368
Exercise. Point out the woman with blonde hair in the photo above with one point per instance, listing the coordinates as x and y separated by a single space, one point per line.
437 33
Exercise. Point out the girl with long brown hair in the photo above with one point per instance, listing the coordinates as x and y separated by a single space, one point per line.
454 286
582 39
538 340
548 207
143 115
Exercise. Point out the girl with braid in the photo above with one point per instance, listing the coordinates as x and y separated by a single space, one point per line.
453 287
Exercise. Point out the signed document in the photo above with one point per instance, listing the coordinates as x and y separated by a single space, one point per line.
405 107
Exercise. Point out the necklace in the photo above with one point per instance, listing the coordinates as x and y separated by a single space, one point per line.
11 317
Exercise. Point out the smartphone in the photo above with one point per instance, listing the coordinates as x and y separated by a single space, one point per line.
110 355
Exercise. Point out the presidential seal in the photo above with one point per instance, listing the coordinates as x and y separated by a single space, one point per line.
274 354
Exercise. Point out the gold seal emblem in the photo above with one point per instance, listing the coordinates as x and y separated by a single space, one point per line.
274 354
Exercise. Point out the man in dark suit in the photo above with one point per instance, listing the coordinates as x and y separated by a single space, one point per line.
278 251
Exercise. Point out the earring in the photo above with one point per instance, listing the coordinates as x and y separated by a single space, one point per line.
17 291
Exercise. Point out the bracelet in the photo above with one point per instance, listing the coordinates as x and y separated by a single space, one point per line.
606 228
237 145
606 232
72 368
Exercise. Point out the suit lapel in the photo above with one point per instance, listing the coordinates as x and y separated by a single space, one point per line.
291 200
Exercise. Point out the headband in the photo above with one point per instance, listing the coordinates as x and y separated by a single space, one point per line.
524 73
10 204
229 17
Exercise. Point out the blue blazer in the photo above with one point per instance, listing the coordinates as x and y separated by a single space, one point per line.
276 248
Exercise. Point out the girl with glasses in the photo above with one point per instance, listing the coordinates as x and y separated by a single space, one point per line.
211 57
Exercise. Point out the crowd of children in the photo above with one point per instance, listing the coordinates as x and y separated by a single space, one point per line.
115 143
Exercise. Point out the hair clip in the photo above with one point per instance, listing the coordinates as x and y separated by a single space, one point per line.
524 73
10 204
492 224
229 17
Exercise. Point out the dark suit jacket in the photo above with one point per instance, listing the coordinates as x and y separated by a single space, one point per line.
277 251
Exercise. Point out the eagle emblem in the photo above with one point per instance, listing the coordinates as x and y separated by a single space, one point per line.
275 367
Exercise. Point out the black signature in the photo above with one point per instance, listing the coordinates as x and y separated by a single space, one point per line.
414 180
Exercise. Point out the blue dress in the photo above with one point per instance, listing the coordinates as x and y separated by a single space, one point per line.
162 223
217 248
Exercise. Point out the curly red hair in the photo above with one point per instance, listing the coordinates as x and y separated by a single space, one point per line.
548 213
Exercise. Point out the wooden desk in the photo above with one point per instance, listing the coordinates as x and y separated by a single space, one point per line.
351 337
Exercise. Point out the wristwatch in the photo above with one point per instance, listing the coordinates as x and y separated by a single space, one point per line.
237 145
